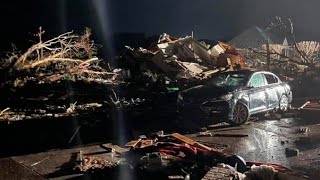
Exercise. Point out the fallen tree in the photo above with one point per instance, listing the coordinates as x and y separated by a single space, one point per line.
65 57
53 73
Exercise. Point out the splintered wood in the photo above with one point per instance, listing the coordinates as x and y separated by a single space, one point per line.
65 57
311 106
91 163
191 142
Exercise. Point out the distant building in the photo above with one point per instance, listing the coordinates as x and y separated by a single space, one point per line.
281 43
255 37
279 51
286 48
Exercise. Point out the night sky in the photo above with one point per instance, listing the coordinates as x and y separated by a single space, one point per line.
209 19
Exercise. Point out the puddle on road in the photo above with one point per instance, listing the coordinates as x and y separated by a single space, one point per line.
263 146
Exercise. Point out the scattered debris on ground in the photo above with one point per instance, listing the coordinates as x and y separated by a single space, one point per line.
174 156
54 78
63 77
210 134
92 163
313 106
205 133
304 130
69 60
291 152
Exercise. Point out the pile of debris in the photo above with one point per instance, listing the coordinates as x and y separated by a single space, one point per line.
69 60
65 57
175 156
52 74
183 58
91 162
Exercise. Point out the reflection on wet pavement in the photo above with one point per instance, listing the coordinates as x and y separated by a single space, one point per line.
262 145
268 139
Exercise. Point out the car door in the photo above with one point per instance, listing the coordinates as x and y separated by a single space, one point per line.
271 89
257 96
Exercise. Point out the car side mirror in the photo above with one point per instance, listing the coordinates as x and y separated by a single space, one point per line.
250 87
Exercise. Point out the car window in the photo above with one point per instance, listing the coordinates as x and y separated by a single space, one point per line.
257 80
271 79
232 80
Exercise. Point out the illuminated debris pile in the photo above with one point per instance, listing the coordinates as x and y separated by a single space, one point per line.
169 65
48 111
65 57
91 163
53 73
67 65
183 58
175 156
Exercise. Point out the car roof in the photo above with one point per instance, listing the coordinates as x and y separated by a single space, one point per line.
248 71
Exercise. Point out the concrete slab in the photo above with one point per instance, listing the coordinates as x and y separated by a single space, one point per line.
57 164
10 169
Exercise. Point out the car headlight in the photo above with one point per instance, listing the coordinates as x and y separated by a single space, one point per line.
226 97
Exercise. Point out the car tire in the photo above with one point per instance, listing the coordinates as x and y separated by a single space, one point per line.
240 114
283 103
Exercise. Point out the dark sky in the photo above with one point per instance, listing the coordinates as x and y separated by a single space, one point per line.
210 19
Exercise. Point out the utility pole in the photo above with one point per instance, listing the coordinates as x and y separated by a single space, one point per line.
268 55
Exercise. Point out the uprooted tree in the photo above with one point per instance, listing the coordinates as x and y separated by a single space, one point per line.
67 56
36 79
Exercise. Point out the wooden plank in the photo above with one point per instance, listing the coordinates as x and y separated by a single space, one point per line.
132 144
313 105
190 141
183 138
139 143
315 109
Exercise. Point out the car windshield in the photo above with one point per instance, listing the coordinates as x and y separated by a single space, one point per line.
233 80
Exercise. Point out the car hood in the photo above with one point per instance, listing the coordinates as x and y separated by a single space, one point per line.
205 92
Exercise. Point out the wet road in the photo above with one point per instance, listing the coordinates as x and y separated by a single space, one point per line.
263 140
268 139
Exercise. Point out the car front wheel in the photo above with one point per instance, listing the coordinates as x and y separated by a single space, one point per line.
240 114
284 103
